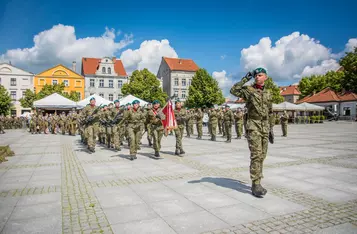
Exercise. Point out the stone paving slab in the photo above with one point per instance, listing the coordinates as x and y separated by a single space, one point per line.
52 185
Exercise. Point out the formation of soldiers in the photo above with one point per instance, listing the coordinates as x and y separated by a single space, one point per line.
11 122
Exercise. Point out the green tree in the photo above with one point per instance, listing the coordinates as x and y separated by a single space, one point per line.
27 101
204 91
50 89
316 83
274 89
143 84
349 64
74 96
5 101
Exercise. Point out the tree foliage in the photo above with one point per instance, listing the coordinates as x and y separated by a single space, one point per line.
5 101
349 64
143 84
204 91
316 83
30 96
274 89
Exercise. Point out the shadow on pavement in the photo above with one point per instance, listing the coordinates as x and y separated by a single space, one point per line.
226 183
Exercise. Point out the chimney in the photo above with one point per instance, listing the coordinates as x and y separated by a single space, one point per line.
74 66
113 59
180 62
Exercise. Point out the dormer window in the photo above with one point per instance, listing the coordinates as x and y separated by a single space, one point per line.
103 69
109 70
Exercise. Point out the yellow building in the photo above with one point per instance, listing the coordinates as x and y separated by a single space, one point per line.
60 74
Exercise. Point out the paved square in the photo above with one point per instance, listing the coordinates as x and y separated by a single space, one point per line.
52 185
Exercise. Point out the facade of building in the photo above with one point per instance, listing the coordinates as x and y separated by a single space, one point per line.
104 77
16 81
290 93
344 104
61 74
176 76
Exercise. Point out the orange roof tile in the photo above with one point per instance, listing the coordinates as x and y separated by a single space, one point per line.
328 95
177 64
90 66
289 90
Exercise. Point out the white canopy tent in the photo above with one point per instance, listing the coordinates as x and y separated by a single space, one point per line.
236 106
311 107
54 101
287 106
99 101
130 98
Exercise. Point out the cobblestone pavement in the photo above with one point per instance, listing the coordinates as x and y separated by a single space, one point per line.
52 185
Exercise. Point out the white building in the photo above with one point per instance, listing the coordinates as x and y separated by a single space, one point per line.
104 77
176 75
16 81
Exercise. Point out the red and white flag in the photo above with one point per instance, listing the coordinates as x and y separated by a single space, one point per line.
170 122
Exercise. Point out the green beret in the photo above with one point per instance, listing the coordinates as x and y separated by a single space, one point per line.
104 106
116 101
92 98
259 70
155 102
178 100
135 102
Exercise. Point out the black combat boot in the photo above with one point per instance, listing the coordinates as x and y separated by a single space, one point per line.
157 154
182 151
150 144
258 190
177 152
132 157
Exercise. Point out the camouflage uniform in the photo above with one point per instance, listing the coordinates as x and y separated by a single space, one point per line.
157 129
220 120
116 135
148 126
228 118
259 126
91 130
213 121
199 122
180 116
101 127
134 118
73 116
238 122
284 123
62 123
2 121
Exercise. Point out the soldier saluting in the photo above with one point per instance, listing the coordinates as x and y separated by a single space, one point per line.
259 123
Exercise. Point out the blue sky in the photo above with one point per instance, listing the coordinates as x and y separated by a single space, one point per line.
201 30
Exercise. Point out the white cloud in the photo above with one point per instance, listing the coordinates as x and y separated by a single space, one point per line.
225 82
60 45
147 56
223 57
292 56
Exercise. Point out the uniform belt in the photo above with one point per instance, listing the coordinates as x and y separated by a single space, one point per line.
258 117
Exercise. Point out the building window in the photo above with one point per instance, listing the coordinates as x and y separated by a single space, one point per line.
109 70
183 94
183 82
103 69
42 81
189 82
23 93
101 83
13 95
91 83
176 92
91 94
101 95
78 83
120 96
79 95
111 97
346 111
13 82
111 84
176 82
54 82
66 83
120 84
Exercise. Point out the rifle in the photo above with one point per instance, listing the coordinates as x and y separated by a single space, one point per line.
90 119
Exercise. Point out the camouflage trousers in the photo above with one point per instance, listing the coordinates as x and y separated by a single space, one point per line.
190 127
101 134
239 128
116 137
134 133
53 127
179 134
199 129
214 129
45 127
33 127
219 126
63 128
149 133
284 128
223 128
157 132
228 130
258 146
72 128
109 136
2 128
91 133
